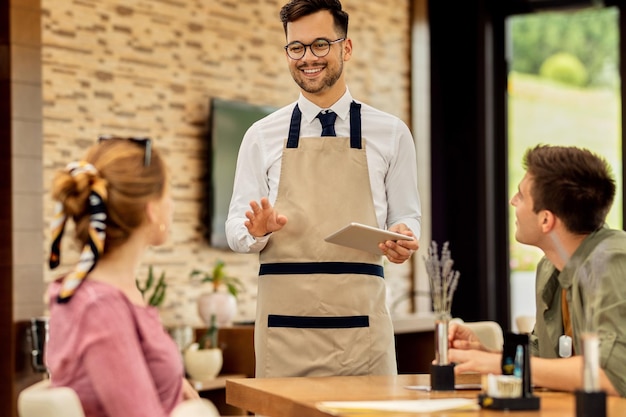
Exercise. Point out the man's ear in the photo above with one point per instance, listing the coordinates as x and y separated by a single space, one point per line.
347 49
548 220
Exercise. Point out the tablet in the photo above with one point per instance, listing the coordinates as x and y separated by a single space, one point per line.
363 237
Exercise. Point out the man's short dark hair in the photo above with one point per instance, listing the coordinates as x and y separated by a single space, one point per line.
573 183
296 9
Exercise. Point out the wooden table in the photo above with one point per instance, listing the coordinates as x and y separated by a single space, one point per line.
215 383
214 390
296 397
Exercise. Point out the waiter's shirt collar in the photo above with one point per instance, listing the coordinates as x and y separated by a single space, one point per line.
310 110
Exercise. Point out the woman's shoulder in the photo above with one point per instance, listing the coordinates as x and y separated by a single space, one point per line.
89 294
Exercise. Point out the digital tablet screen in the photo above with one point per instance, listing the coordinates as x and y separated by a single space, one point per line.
363 237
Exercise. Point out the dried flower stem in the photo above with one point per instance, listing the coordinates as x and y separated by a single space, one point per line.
442 278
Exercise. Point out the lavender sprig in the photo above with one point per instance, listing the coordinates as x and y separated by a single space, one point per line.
443 279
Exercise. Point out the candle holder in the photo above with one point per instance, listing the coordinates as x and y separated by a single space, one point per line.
591 400
443 282
590 404
442 371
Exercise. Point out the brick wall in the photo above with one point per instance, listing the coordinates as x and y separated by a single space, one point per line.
149 68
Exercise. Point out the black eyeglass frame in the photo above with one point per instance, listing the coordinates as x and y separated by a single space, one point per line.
146 143
304 46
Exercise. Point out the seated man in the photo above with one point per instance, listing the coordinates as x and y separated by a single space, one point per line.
560 207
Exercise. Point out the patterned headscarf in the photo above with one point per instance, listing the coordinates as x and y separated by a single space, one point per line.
97 225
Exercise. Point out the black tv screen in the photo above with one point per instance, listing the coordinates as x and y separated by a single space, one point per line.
228 122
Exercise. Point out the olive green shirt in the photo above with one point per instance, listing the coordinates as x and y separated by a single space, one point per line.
595 280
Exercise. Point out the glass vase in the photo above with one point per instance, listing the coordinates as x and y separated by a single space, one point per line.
442 322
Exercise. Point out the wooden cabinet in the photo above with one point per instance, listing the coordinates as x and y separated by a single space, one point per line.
237 344
415 351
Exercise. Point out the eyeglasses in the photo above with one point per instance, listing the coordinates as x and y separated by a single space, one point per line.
145 142
319 47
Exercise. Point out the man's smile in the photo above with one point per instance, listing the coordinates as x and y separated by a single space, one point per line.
312 71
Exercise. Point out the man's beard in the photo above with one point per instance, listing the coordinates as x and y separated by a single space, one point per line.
328 81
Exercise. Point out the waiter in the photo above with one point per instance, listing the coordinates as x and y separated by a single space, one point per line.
302 173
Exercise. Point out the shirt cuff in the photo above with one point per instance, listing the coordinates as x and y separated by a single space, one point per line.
259 242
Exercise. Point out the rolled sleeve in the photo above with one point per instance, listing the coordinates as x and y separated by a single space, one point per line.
610 306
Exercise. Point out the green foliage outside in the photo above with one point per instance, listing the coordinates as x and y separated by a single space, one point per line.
591 35
564 68
545 112
563 106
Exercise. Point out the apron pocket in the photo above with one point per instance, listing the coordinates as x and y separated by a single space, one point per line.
318 346
307 322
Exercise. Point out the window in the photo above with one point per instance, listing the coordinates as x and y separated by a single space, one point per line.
563 89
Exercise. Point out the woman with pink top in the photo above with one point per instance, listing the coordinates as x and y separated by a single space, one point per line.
105 342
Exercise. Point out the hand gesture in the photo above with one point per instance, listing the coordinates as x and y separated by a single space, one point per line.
263 219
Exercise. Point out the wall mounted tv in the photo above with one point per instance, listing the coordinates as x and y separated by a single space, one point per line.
228 122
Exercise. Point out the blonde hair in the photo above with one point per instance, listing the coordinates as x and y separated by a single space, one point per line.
129 187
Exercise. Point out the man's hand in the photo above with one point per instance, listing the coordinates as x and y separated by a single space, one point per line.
263 219
461 337
475 361
401 250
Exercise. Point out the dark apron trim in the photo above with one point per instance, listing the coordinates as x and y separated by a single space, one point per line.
294 128
355 127
309 322
321 268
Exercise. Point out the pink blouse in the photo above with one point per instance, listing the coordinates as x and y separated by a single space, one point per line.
114 354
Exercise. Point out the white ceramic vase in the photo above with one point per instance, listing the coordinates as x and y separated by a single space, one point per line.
202 364
222 304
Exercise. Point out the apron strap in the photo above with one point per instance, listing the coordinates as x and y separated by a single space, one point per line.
294 128
355 127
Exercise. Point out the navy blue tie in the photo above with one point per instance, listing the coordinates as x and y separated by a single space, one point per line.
328 122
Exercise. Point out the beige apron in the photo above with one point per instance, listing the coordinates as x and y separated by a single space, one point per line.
321 307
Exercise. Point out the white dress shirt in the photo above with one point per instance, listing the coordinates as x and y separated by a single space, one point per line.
390 154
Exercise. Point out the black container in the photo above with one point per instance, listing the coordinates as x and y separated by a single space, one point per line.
510 361
590 404
38 339
442 377
512 404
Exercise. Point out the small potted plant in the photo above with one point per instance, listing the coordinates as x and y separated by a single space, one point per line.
221 301
151 291
203 360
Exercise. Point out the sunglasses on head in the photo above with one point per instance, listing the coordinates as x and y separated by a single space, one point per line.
146 143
